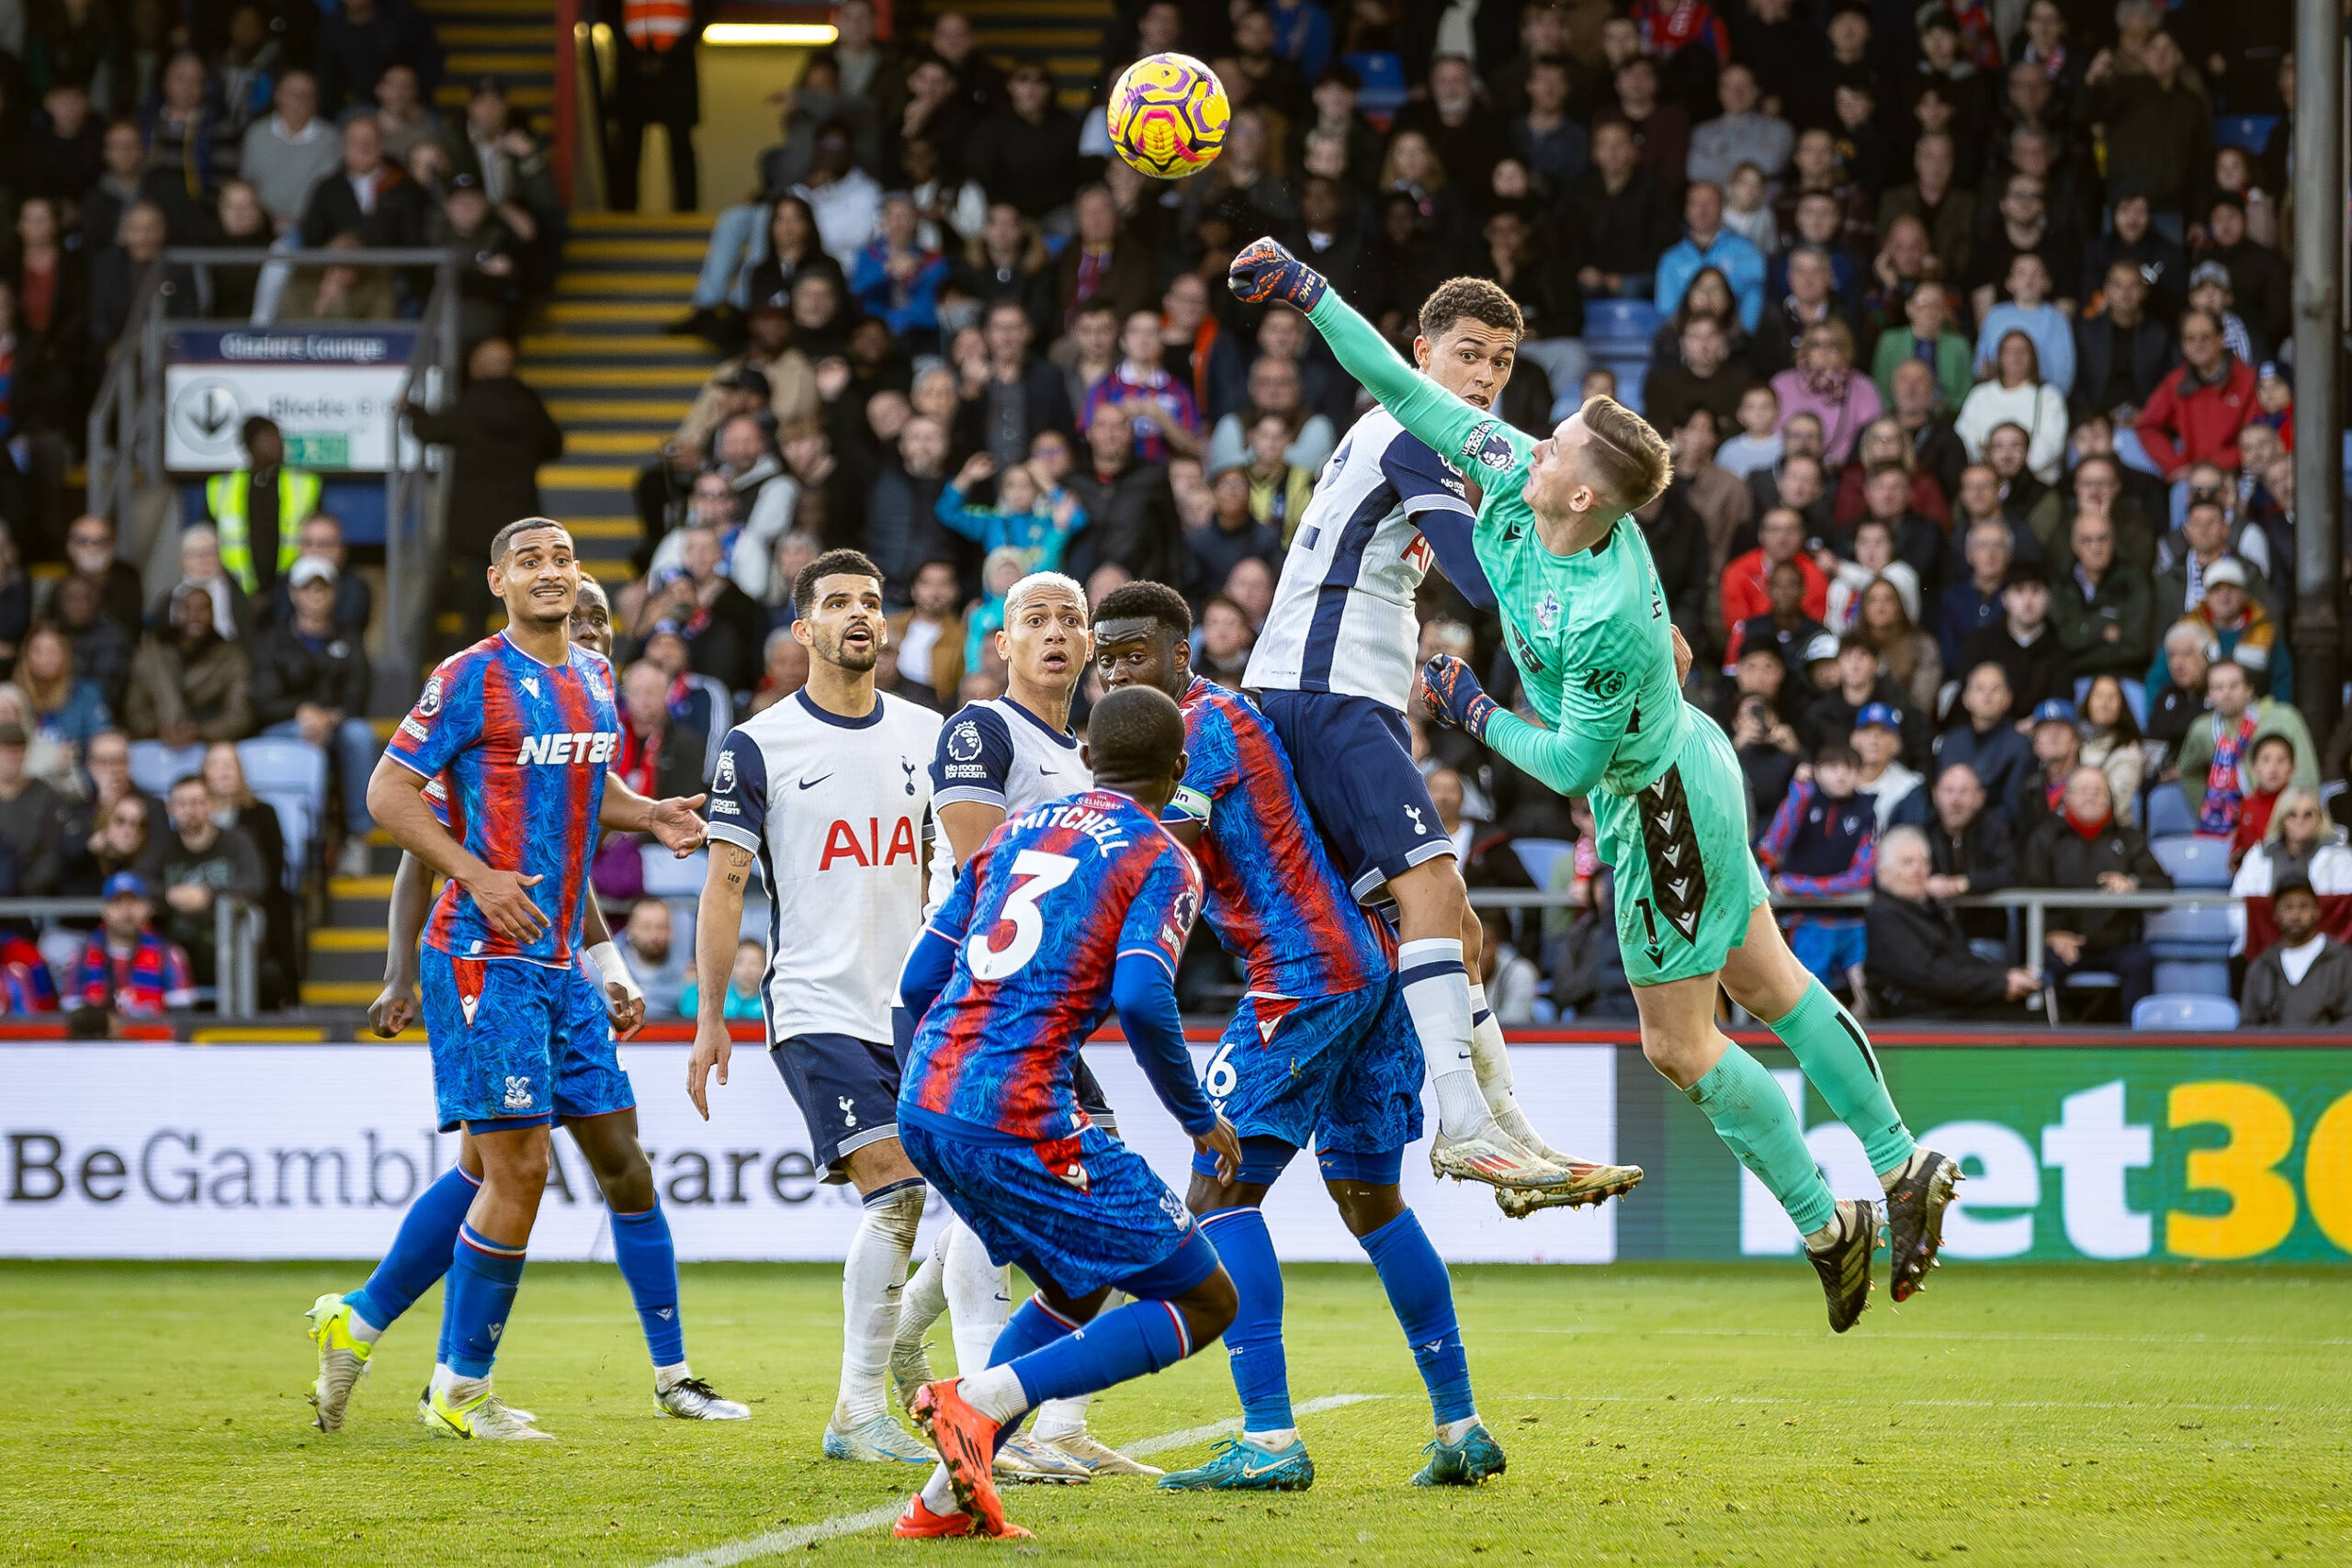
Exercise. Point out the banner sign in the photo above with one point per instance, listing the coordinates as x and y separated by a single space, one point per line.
334 392
314 1151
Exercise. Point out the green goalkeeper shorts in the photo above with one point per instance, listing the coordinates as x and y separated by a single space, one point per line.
1686 880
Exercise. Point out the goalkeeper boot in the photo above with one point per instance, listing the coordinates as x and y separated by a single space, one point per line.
343 1360
1844 1261
1916 1200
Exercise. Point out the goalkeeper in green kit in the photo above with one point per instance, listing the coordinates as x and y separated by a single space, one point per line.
1587 625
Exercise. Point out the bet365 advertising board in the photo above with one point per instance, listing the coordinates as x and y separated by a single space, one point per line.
2216 1154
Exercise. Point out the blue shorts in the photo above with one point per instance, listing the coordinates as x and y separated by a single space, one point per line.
1344 1071
1083 1212
1354 762
589 1079
496 1029
847 1089
1827 948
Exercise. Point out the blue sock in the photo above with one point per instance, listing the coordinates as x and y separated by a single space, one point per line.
649 1263
420 1249
1414 1277
1124 1343
1034 1327
483 1281
1254 1343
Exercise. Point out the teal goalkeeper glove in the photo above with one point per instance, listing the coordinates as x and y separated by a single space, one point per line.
1264 271
1454 697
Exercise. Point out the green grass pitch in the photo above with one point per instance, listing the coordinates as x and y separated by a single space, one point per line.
153 1414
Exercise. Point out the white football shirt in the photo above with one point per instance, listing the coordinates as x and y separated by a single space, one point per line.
837 810
999 753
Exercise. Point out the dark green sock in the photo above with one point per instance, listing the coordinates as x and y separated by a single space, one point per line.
1837 1059
1753 1119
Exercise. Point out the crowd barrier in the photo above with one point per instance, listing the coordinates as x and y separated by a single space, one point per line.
236 936
2090 1147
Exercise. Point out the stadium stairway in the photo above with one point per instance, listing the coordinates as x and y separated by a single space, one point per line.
511 39
1065 35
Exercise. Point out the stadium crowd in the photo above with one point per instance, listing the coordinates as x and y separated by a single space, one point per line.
1969 334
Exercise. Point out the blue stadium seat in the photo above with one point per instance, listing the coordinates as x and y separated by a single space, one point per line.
1540 855
1609 323
2173 1011
2197 977
2199 932
667 876
2169 813
1384 82
291 775
2193 860
155 767
2247 132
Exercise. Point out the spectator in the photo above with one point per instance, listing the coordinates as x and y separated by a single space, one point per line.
65 709
126 968
500 433
1969 606
1768 746
2027 309
370 197
189 684
1103 260
123 272
1785 629
1907 654
660 966
1758 446
235 805
309 681
2084 845
1971 849
1225 641
1703 377
1741 134
929 637
320 538
1617 218
2217 754
2098 493
845 200
1948 213
722 628
2305 979
2024 225
203 863
2159 129
31 814
2185 558
1133 510
745 980
654 83
287 154
1157 405
2101 613
1724 505
795 249
1278 488
129 180
2299 843
2017 396
1661 131
1026 517
101 652
1705 242
785 671
2271 771
902 509
1824 383
2239 629
1879 775
2112 742
2057 739
895 278
2160 261
2210 290
1920 962
2122 353
1273 388
2196 411
1822 842
1545 136
1857 684
1810 303
1747 581
62 148
1025 155
258 509
1985 741
2259 281
1925 336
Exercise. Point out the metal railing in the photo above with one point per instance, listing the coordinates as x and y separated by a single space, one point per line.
236 939
126 431
2034 903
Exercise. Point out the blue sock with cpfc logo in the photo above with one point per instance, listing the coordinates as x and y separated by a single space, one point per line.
483 1278
421 1250
1254 1343
649 1261
1121 1344
1422 1297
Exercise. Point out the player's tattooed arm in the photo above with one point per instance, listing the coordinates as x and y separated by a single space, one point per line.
396 800
717 922
676 822
395 1008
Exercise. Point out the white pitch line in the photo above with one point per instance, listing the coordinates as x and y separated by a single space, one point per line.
798 1537
2145 1407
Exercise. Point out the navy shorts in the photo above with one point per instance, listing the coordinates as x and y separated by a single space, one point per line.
1354 758
496 1028
1344 1071
848 1092
1083 1212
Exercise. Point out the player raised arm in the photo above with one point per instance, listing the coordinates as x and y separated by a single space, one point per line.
1455 429
1570 760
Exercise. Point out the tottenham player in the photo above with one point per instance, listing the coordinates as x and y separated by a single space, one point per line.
1334 671
1586 622
1322 1046
828 791
1074 906
997 759
524 726
592 1099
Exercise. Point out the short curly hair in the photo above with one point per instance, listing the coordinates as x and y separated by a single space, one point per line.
1476 297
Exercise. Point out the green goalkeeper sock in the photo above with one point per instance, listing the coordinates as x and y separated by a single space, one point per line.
1753 1119
1836 1057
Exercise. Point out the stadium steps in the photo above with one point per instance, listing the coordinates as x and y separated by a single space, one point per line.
1064 35
511 39
347 947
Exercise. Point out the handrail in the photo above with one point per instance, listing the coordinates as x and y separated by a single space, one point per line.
236 938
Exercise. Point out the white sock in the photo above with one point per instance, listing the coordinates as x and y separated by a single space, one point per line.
1439 1003
995 1393
872 1277
453 1389
1059 1419
364 1331
939 1493
1829 1235
980 1297
1491 1060
1455 1431
924 1296
1886 1178
1274 1441
669 1377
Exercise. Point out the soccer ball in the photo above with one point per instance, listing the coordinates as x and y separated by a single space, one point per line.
1167 115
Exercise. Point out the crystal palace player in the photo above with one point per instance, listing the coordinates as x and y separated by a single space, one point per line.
592 1099
1322 1046
1332 672
828 791
1073 907
1585 623
524 725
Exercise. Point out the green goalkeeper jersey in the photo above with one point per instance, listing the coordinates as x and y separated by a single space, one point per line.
1588 632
